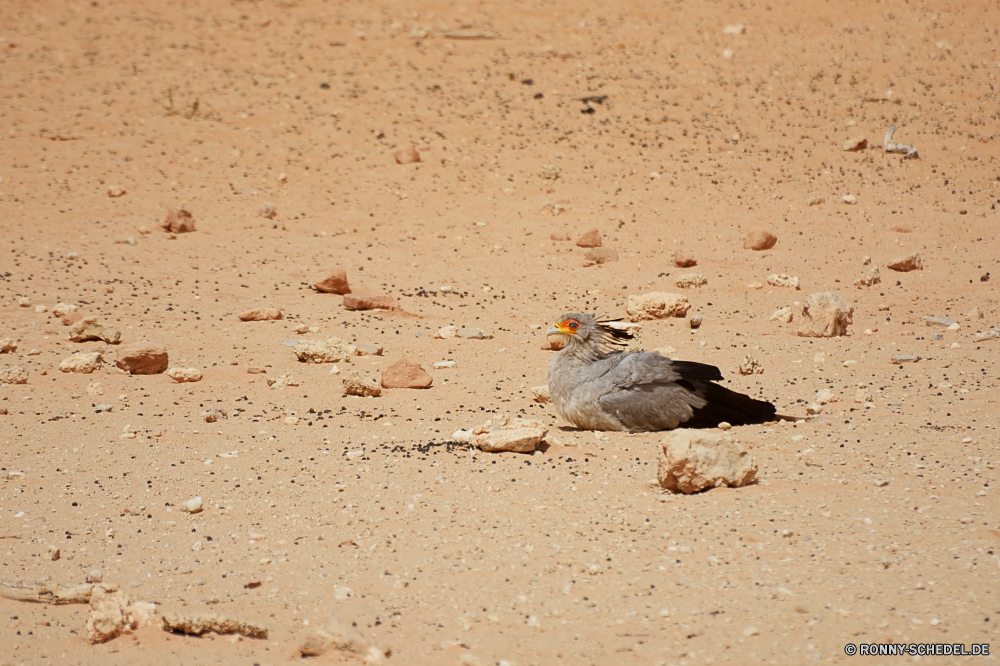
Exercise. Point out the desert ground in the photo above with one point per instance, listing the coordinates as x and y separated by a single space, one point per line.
669 127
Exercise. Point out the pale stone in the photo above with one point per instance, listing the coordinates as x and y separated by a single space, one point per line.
506 434
783 280
184 374
357 384
83 362
750 366
196 625
7 346
825 315
695 459
333 350
691 280
656 305
92 328
143 358
784 315
541 393
864 394
873 277
63 309
261 314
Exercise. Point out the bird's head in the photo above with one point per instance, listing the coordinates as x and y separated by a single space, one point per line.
575 325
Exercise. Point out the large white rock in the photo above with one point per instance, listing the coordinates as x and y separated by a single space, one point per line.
85 362
697 459
506 434
333 350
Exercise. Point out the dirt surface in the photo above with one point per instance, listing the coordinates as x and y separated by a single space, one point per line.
275 124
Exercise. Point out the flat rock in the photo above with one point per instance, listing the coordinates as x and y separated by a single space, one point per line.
82 362
590 238
684 260
825 315
334 283
506 434
943 322
602 255
689 280
905 264
92 328
261 314
369 301
357 384
405 373
177 221
17 374
784 315
656 305
905 358
445 365
333 350
196 625
407 155
365 349
783 280
759 239
694 460
142 358
473 334
184 374
854 144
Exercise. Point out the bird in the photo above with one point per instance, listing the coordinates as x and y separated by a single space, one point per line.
596 386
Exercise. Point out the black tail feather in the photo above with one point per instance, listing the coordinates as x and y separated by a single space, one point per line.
729 406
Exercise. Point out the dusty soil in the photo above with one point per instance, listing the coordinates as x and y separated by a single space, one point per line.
869 523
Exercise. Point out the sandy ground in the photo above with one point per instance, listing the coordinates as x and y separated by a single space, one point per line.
869 524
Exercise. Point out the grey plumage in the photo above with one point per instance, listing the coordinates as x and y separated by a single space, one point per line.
596 387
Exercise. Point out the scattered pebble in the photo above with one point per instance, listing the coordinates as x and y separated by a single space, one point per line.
849 199
503 433
944 322
905 358
690 280
590 238
873 277
784 315
405 373
542 394
213 415
142 358
196 625
184 374
549 171
759 239
334 283
815 201
282 382
7 346
177 221
103 407
558 236
446 332
192 505
356 384
261 314
114 192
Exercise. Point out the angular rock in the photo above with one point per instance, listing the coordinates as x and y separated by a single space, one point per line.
783 315
337 635
943 322
407 155
684 260
910 262
855 143
184 374
282 382
405 373
7 346
356 384
783 281
825 315
873 277
690 280
590 238
333 350
92 328
143 358
656 305
365 349
196 625
83 362
542 394
17 374
177 221
696 459
113 614
506 434
759 239
334 283
63 309
369 301
261 314
193 505
750 366
602 255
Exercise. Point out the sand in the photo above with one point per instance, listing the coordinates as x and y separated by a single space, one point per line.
277 125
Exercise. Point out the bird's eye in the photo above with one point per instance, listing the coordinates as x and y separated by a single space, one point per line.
573 325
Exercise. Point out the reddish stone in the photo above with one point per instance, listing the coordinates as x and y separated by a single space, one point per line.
759 239
405 373
370 302
590 238
334 283
142 358
406 155
261 314
177 221
556 236
900 229
684 260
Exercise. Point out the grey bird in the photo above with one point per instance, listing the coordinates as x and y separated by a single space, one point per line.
596 387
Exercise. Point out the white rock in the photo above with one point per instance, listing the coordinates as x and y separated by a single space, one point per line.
696 459
193 505
441 365
783 281
784 315
505 434
83 362
184 374
13 375
291 420
63 309
656 305
333 350
446 332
